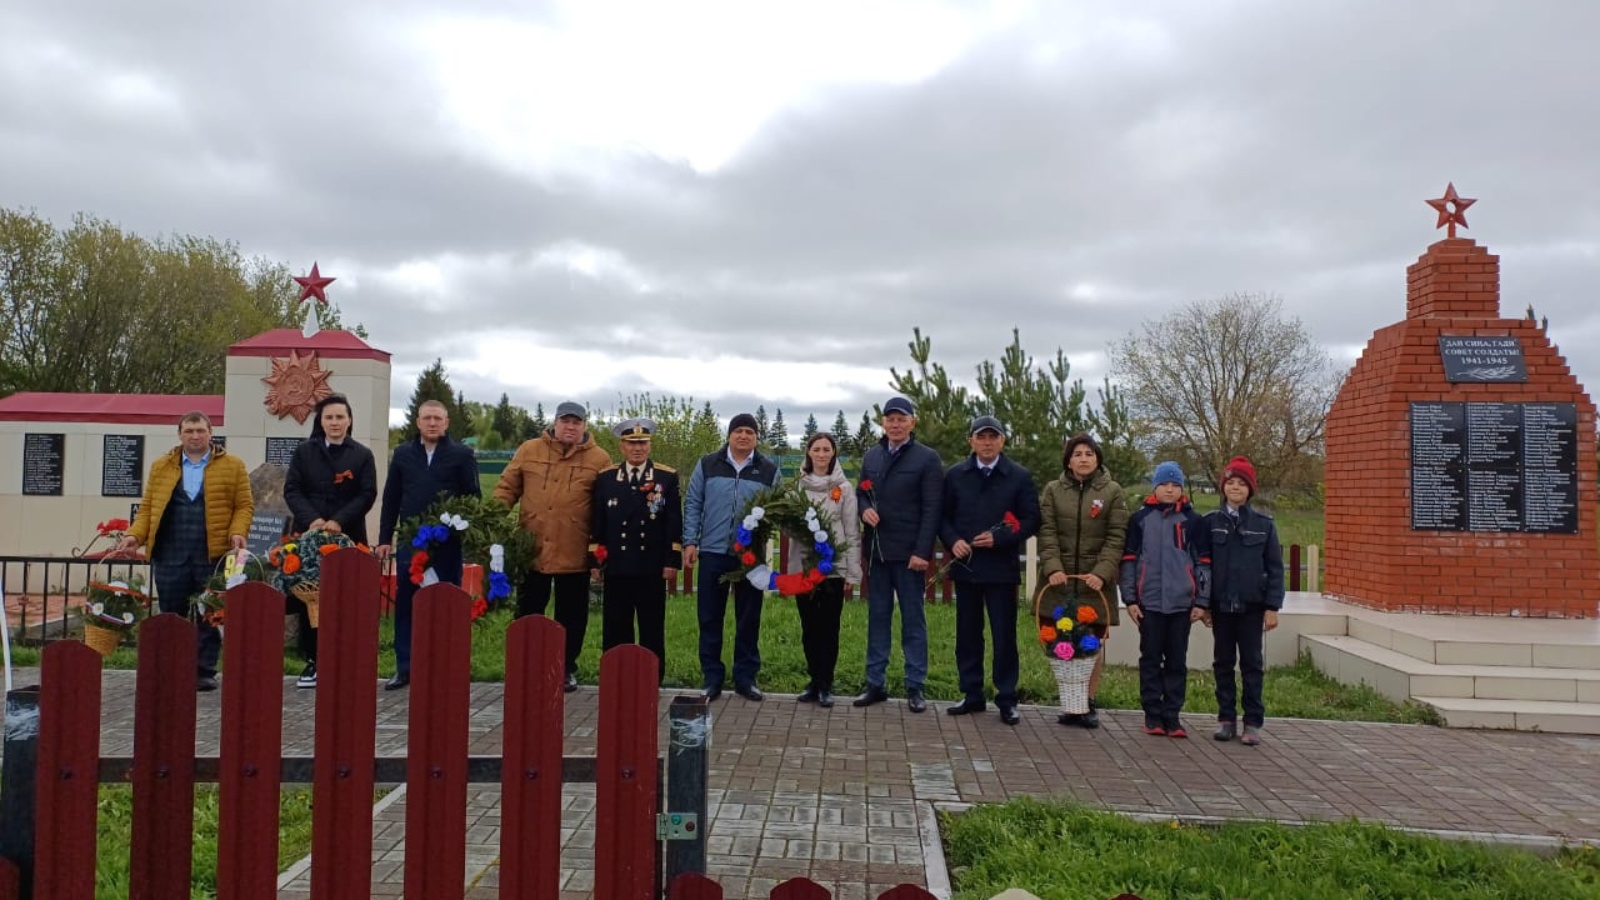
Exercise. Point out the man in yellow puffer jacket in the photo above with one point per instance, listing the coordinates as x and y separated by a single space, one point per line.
197 506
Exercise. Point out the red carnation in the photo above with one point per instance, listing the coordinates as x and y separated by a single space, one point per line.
815 576
479 607
1012 522
866 485
600 554
748 558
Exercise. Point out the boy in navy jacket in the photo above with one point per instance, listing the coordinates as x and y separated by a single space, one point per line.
1246 594
1166 581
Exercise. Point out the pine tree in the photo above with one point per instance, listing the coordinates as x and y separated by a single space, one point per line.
432 384
537 424
461 424
778 436
811 427
865 437
505 419
841 436
763 427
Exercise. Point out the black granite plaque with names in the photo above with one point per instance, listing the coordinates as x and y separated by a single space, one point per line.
122 465
44 464
280 451
265 530
1494 467
1469 358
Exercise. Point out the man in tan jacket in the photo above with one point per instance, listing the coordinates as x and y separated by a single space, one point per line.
197 506
552 478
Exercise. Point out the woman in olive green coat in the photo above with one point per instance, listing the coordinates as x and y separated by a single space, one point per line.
1084 530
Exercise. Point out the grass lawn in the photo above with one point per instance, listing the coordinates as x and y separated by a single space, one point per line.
1064 852
116 831
1297 691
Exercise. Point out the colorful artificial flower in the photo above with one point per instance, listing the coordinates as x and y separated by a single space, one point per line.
836 493
748 558
1094 508
1087 615
1047 633
1064 650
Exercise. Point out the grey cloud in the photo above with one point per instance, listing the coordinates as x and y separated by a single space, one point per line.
1186 152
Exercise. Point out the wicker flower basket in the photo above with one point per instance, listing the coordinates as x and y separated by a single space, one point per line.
1072 675
103 641
1072 681
311 595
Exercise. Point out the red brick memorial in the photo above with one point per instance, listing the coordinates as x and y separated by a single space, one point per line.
1461 460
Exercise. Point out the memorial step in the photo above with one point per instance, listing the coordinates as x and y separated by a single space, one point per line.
1399 676
1519 715
1482 640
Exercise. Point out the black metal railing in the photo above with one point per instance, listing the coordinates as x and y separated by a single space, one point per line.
40 591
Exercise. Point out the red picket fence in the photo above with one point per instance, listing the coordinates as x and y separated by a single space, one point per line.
251 767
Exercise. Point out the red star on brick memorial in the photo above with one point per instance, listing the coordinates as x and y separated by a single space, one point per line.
313 286
1452 209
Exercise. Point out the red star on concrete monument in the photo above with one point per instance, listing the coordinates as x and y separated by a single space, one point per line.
1456 213
314 285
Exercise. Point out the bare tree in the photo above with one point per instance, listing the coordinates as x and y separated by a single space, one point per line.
1232 376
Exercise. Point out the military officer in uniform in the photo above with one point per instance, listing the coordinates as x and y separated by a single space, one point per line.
636 532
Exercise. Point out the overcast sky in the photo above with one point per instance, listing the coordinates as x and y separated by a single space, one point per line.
746 201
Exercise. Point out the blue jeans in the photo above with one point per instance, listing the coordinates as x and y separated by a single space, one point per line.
711 597
886 581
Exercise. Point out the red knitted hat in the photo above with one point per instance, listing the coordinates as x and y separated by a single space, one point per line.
1239 467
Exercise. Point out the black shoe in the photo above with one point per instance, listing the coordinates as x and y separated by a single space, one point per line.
1226 731
825 699
1068 718
1009 715
966 706
400 680
711 691
205 683
915 701
308 676
809 695
1090 719
870 696
571 684
749 692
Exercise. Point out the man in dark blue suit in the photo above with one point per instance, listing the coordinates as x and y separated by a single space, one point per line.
991 508
419 472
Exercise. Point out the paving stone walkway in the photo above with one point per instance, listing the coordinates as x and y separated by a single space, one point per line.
844 796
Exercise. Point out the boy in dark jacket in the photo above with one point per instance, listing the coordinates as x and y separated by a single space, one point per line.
1166 586
1246 594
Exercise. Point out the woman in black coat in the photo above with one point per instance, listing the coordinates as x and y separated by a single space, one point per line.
331 485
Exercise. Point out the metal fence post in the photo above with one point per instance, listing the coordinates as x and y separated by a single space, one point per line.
688 772
17 776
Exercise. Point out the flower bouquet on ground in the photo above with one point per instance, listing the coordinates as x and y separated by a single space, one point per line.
1070 636
788 509
235 568
296 562
111 611
490 534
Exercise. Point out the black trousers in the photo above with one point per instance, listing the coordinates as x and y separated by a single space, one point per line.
1238 639
819 630
572 605
175 584
999 602
306 636
628 597
1163 665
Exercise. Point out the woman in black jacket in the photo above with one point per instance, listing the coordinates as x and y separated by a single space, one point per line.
331 485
